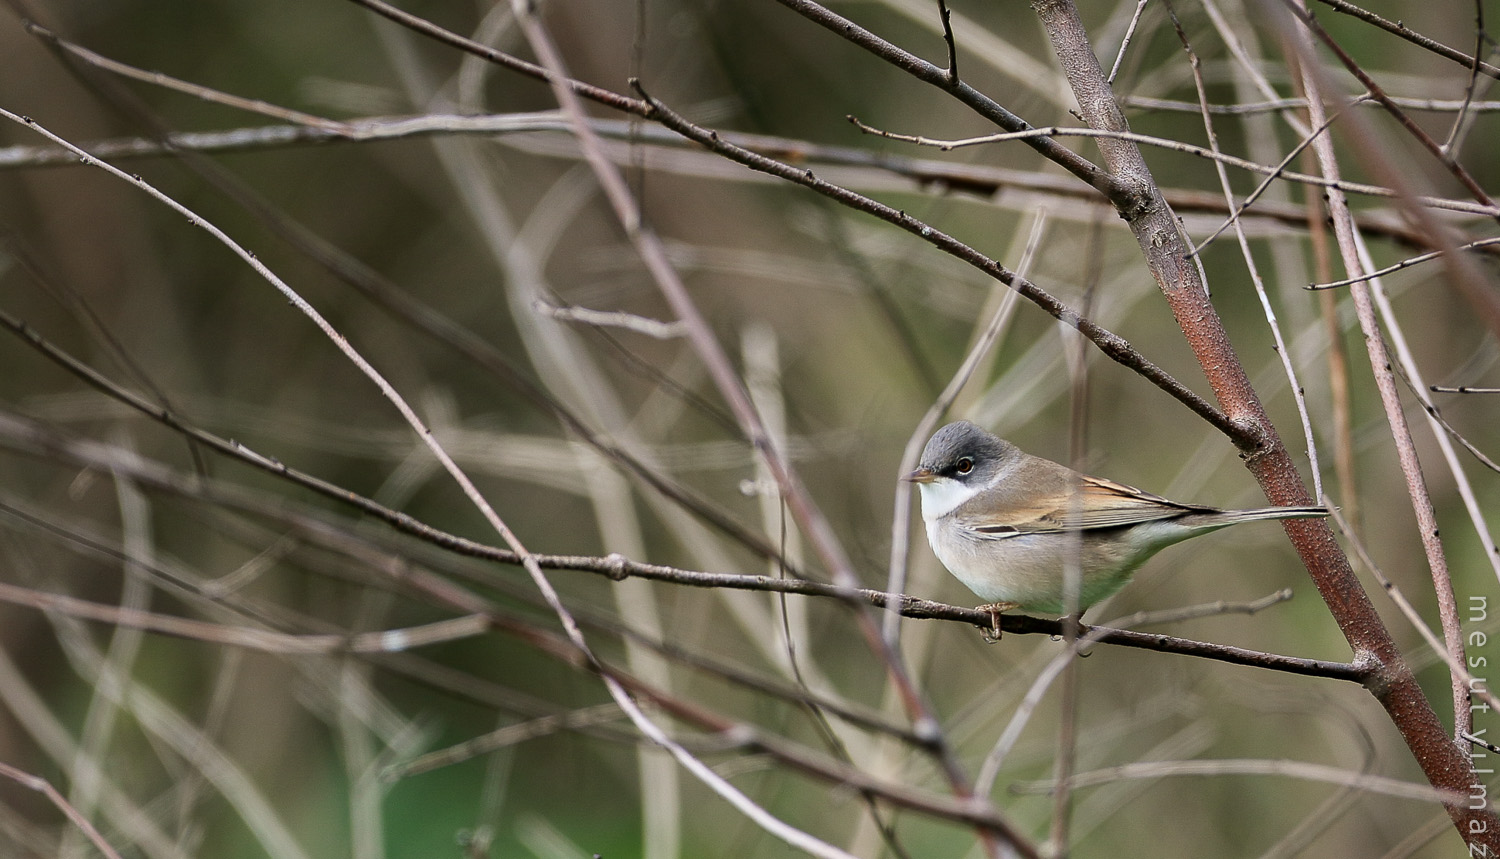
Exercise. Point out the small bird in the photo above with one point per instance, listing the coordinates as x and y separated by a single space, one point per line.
1005 522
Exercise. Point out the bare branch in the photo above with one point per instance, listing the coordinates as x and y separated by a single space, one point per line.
1399 29
1378 93
264 640
1135 19
1164 248
1110 344
975 100
616 319
1414 717
1254 766
1406 263
44 787
1125 135
1276 106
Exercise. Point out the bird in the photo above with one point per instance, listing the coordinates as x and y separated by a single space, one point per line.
1007 524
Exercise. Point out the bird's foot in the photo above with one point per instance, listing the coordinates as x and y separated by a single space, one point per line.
992 632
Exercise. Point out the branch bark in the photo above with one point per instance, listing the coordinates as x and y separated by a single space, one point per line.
1165 249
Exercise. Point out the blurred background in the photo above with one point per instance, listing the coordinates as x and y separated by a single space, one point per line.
462 261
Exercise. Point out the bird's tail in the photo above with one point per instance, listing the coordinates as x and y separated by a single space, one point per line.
1309 512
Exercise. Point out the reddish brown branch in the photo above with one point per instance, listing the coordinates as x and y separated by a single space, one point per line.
1164 248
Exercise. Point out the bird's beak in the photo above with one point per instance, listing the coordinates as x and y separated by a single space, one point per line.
921 475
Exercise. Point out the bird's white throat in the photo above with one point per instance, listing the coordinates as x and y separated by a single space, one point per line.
943 495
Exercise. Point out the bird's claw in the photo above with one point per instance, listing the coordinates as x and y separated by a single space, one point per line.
992 632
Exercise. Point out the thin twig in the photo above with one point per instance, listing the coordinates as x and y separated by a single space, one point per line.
1109 343
1421 728
1298 395
820 533
44 787
199 91
978 180
1455 133
1462 389
615 319
427 28
1337 357
1432 411
1486 209
262 640
994 761
1238 209
1250 67
1378 93
1135 19
1436 105
1253 766
1412 616
509 735
1410 35
1085 170
1406 366
1195 612
1484 744
1406 263
947 16
1463 272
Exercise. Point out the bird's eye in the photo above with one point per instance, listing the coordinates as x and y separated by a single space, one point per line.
964 466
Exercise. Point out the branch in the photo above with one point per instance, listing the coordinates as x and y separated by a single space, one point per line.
1252 766
251 638
976 179
44 787
810 518
974 99
1164 248
1406 263
1436 105
1488 209
29 437
1378 93
1111 344
600 95
1410 35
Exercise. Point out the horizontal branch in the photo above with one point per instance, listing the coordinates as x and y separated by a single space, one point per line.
251 638
1435 105
26 436
980 180
1472 208
725 733
1252 766
1406 263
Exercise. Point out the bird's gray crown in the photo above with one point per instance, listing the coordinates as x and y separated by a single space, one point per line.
965 452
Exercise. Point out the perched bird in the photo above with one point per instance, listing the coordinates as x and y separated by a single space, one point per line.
1006 523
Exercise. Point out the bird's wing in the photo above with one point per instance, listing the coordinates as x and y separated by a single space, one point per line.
1098 503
